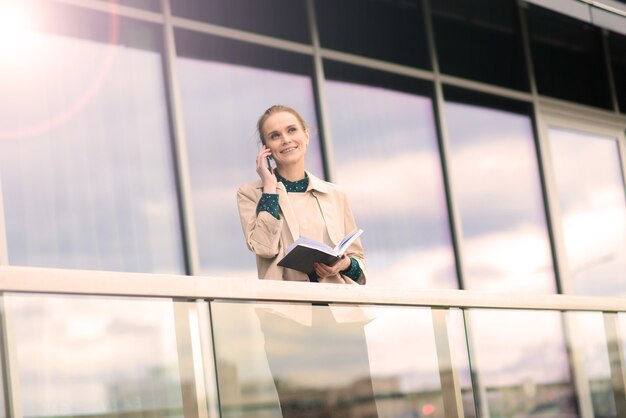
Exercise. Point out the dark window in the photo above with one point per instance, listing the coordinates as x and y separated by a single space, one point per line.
337 71
191 44
617 47
389 30
285 19
480 40
568 58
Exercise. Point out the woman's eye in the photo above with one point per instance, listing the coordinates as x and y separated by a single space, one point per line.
292 129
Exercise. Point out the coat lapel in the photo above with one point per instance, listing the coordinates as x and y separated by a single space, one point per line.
288 213
329 210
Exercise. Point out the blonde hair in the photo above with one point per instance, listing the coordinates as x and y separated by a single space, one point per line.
277 108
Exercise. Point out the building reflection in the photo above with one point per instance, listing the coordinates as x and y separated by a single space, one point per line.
258 399
158 394
354 400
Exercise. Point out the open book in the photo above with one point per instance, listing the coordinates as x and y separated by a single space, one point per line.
305 251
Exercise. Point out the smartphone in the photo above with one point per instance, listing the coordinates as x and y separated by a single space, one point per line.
270 164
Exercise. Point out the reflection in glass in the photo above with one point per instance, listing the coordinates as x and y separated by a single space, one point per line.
568 57
386 156
480 40
316 360
593 210
84 152
222 103
521 363
391 31
285 19
617 50
587 336
106 357
496 185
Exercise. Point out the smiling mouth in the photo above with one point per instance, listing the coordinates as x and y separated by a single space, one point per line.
288 150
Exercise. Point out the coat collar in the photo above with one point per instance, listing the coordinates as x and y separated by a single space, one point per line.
319 188
315 183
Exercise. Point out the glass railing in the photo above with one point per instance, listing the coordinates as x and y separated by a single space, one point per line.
96 344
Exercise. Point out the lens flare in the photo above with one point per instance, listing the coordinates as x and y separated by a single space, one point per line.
16 25
428 409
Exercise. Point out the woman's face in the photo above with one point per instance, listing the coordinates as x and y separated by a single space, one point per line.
285 136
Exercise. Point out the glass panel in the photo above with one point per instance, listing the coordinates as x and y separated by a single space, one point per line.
568 58
280 18
494 172
84 145
225 87
386 30
480 39
88 356
521 362
617 50
593 210
387 157
321 361
588 337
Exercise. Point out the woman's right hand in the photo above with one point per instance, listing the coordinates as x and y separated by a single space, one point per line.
267 176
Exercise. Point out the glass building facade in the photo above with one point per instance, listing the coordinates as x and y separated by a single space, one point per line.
482 145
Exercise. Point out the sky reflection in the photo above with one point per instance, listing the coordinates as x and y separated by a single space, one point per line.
386 156
96 192
593 210
496 185
87 355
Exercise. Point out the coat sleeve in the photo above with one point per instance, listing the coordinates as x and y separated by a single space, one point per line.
262 231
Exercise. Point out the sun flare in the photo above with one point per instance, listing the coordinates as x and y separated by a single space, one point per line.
16 26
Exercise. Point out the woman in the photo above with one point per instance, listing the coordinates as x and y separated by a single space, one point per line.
303 340
289 202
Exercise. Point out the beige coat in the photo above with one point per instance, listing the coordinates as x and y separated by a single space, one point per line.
267 237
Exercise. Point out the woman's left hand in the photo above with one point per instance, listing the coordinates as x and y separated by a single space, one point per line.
324 270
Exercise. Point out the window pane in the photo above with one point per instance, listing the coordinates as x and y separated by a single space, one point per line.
494 173
280 18
321 361
88 356
480 40
593 210
568 58
617 48
587 336
387 157
521 359
386 30
84 146
225 87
